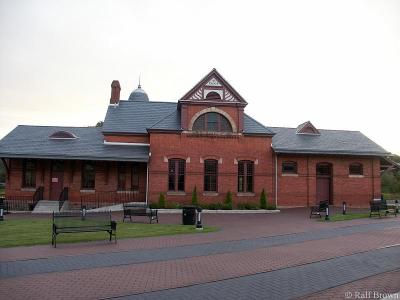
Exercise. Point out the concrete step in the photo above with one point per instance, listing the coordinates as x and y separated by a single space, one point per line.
46 206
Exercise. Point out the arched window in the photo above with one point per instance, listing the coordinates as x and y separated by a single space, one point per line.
212 96
210 175
212 122
356 169
289 167
176 175
245 176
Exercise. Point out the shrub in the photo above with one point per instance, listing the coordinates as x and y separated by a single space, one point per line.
228 201
263 200
161 201
271 206
195 200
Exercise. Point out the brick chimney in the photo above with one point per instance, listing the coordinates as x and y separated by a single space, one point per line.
115 92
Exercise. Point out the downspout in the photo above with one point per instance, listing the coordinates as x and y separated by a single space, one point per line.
373 179
276 180
147 181
308 182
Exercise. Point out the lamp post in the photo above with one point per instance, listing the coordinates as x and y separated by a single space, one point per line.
344 207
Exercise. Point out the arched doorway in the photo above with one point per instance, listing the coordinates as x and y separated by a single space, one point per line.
324 182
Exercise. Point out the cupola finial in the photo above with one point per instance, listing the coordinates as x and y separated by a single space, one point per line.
139 86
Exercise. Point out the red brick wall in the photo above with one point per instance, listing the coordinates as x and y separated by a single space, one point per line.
356 191
106 179
193 149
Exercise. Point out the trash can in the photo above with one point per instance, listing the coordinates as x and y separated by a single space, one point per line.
189 215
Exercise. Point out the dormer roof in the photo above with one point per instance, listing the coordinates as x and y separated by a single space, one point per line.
213 88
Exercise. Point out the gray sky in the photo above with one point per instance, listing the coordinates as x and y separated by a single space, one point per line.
336 63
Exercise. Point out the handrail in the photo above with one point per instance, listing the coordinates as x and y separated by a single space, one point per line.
99 199
63 197
37 196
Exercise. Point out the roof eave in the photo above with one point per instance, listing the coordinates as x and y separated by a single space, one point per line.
289 151
64 157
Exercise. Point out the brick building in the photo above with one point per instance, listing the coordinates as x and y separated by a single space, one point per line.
205 140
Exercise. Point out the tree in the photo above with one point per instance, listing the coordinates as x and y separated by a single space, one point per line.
99 124
195 200
263 200
228 200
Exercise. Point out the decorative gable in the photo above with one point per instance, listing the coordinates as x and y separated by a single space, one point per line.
213 87
307 128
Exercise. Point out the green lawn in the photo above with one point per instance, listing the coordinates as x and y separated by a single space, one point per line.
341 217
27 232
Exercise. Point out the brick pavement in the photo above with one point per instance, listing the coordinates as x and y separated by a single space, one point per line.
385 283
288 283
273 243
145 277
234 227
68 263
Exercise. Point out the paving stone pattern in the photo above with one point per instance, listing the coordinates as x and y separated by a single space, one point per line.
79 262
290 282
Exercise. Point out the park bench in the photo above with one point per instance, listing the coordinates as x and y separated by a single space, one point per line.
316 210
82 221
389 207
131 210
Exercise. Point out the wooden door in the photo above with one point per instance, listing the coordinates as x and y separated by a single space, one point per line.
56 180
323 189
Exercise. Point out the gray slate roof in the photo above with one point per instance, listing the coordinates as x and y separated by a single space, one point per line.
328 142
34 142
138 116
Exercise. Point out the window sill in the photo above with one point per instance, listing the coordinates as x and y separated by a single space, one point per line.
28 189
87 191
211 194
290 175
172 193
245 194
356 176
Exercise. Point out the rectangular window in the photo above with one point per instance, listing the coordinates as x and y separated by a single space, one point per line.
121 176
135 177
289 167
356 169
29 173
210 175
88 175
176 175
245 176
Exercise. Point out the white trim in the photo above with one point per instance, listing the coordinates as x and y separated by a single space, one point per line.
147 182
125 144
276 180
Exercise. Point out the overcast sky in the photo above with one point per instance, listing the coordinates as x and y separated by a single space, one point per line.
336 63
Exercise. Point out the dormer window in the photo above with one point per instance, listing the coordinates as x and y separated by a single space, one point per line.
63 135
307 128
212 122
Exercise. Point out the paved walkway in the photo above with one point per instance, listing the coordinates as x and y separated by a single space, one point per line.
254 256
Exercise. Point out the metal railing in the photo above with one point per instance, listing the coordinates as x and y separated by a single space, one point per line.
63 197
100 199
37 196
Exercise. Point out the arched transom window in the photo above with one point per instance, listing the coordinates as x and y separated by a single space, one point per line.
212 121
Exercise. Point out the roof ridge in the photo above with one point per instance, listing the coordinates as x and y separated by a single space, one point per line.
138 101
318 129
57 126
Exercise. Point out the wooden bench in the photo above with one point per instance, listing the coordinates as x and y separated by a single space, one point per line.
389 207
82 221
316 210
131 210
